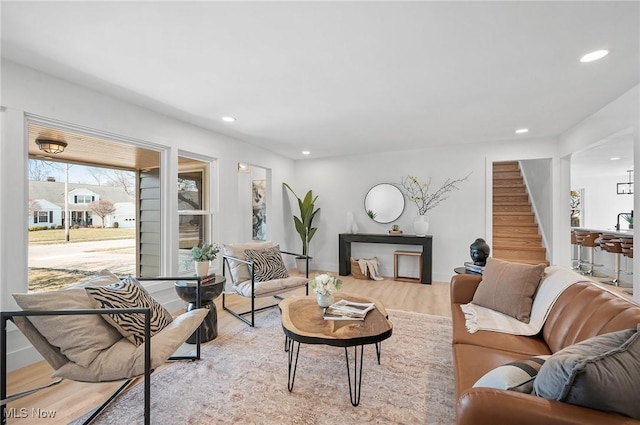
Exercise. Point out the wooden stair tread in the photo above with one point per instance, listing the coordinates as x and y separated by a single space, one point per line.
519 248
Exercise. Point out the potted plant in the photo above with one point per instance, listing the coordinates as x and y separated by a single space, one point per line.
203 255
304 224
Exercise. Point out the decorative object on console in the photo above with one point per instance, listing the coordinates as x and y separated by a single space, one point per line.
352 226
304 223
395 230
324 285
479 251
203 255
419 194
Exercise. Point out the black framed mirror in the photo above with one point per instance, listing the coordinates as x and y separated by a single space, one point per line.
384 203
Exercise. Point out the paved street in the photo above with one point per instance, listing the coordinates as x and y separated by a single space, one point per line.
117 255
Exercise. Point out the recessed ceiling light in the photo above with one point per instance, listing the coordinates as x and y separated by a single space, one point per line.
594 56
305 152
228 119
522 130
615 158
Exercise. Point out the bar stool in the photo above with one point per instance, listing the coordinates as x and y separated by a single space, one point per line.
400 253
613 246
575 261
626 245
589 240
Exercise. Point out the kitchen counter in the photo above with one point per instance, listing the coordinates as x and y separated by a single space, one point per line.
624 233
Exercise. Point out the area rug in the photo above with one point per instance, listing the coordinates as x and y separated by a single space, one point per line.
242 379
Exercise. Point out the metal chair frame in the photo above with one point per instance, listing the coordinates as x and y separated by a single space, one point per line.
9 315
240 315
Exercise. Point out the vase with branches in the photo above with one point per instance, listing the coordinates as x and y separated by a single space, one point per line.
421 195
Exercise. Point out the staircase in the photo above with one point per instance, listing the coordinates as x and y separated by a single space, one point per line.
515 231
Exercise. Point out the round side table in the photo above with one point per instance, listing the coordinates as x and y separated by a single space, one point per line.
209 291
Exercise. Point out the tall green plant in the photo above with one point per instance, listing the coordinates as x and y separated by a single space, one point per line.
304 222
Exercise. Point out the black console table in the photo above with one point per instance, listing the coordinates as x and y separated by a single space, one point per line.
344 249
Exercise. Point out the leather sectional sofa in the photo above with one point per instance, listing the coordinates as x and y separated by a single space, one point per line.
582 311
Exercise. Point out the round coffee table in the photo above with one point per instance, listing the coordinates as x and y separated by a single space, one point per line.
303 323
209 291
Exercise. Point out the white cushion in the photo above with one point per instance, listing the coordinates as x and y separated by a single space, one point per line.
263 289
124 360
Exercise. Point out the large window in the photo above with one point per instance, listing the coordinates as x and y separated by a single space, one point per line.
194 213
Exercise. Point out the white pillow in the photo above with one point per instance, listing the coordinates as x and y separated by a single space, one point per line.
514 376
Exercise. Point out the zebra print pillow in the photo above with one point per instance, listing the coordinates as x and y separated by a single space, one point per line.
267 263
129 294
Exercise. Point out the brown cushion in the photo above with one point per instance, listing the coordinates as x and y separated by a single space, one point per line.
509 287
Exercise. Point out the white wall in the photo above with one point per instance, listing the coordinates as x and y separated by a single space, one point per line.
342 183
601 204
28 92
538 177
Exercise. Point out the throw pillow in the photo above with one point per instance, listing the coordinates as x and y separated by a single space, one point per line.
267 263
80 338
509 287
129 294
515 376
601 373
240 271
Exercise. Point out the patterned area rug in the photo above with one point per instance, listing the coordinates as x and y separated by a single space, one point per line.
242 379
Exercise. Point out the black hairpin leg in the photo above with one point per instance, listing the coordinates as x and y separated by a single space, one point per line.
378 350
293 360
356 386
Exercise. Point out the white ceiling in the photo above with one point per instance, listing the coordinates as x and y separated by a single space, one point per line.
341 78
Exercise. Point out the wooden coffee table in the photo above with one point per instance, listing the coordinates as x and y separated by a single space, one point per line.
302 323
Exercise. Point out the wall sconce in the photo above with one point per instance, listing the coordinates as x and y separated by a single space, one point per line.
244 168
627 187
51 146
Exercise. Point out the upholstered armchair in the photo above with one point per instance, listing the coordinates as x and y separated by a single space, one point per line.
257 270
104 329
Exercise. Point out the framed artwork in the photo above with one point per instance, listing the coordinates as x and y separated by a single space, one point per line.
259 202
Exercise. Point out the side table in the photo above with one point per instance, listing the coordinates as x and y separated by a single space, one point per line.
463 270
209 291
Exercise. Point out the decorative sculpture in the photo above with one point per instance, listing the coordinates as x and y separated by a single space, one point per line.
479 251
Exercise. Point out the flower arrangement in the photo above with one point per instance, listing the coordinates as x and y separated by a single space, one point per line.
325 284
418 193
206 252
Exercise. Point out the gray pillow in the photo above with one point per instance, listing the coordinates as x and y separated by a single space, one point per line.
601 373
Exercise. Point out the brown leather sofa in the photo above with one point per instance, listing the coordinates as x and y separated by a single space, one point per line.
581 312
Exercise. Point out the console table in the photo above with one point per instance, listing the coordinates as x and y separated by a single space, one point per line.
346 239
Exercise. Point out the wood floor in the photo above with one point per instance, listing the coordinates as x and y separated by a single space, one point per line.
69 399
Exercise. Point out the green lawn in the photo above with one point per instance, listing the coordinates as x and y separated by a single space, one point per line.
80 235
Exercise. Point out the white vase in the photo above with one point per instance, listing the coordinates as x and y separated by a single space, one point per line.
324 300
421 225
202 268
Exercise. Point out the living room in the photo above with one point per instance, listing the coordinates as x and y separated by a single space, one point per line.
36 86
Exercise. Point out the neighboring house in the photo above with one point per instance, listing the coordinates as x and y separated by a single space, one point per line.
49 204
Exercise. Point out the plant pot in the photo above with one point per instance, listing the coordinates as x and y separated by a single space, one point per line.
301 265
421 225
202 268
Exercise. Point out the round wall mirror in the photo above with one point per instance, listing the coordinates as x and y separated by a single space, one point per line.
384 203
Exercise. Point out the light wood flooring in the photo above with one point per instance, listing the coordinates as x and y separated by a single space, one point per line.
70 400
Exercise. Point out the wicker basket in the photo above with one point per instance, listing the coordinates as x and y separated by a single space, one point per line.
356 272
